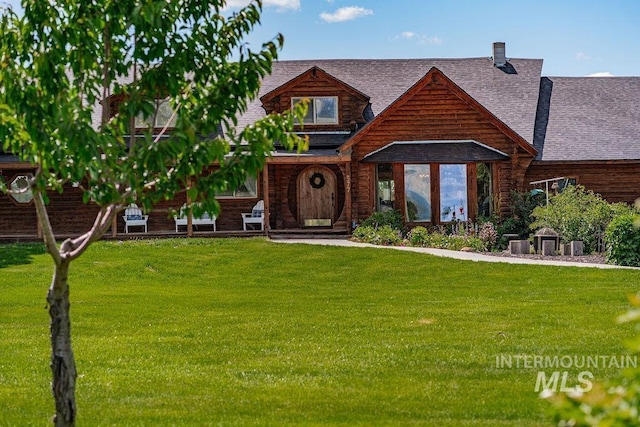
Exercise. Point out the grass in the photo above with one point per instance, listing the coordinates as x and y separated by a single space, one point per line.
249 332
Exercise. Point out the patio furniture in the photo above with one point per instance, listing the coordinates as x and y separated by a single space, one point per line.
256 216
205 219
133 217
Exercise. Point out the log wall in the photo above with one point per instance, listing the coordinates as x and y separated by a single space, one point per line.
350 105
435 113
615 181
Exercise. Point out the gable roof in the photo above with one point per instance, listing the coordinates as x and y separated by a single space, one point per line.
511 95
313 72
433 75
588 118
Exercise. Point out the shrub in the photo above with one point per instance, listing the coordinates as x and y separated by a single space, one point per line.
392 218
623 241
364 234
420 236
522 206
385 235
488 235
577 214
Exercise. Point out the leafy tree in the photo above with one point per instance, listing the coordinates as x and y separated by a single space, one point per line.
64 61
578 214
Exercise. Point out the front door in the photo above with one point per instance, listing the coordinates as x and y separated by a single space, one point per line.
316 197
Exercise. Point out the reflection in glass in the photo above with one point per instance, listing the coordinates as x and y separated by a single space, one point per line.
417 185
386 188
326 110
485 187
453 193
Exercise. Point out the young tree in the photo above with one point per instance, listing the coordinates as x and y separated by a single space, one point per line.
63 62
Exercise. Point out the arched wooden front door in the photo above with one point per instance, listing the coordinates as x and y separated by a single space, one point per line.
316 197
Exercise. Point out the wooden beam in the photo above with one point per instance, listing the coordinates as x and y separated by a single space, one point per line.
302 159
265 198
347 194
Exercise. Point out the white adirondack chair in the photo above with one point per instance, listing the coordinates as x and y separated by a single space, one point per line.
256 216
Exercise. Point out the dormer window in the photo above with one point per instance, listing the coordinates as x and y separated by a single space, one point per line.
321 109
163 117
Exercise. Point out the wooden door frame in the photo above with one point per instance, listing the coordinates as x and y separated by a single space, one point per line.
335 192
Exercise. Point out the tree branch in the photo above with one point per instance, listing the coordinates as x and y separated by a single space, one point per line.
75 247
47 230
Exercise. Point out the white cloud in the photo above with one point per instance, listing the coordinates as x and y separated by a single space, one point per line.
281 5
346 14
581 56
430 40
601 74
420 38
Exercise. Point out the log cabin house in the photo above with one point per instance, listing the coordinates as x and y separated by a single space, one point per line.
438 139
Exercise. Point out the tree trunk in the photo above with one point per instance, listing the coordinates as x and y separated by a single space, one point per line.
63 365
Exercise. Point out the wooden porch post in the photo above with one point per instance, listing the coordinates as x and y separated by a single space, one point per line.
347 195
265 197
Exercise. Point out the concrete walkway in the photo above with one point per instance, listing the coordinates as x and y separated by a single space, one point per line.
468 256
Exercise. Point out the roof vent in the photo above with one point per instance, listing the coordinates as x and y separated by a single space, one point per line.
499 54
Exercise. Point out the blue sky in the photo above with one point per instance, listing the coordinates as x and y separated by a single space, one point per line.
574 37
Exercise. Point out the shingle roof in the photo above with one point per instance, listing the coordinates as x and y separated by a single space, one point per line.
512 96
588 118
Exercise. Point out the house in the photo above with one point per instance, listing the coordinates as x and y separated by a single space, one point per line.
438 139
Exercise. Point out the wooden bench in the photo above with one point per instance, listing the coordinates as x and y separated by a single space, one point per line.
205 219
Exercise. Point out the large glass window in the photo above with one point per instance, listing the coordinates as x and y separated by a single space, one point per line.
320 110
485 189
386 188
248 189
417 187
453 193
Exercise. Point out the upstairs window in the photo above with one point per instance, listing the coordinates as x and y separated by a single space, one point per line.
321 109
163 117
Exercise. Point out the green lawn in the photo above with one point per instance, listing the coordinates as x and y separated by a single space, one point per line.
249 332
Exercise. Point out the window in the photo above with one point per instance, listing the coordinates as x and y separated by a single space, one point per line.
453 193
249 189
20 191
485 190
417 187
320 110
164 116
386 188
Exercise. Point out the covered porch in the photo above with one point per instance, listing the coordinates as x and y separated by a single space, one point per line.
307 193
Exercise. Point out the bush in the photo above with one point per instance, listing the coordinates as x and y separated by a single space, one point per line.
623 241
488 234
392 218
420 236
385 235
578 214
522 206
